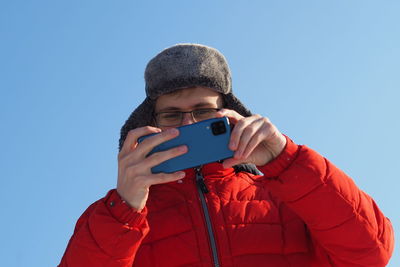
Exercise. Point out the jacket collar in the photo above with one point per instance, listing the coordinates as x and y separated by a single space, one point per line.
213 170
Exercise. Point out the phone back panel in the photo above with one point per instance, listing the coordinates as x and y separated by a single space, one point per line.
203 146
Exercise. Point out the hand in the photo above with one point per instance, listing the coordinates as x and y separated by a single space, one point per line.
134 168
254 139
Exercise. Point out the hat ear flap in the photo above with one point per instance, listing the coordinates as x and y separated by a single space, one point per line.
141 116
232 102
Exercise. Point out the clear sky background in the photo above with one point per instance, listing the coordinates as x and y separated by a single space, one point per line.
325 72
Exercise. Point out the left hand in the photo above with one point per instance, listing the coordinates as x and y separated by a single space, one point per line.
254 139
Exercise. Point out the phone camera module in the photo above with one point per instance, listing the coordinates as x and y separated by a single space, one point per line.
218 128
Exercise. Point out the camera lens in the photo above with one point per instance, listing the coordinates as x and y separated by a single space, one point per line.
218 127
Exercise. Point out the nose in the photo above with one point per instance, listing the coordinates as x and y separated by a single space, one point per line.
187 119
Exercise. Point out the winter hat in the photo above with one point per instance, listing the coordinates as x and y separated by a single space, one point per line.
178 67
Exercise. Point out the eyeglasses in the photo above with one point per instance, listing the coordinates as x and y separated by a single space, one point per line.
175 118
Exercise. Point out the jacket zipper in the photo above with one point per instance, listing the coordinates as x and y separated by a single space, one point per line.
202 189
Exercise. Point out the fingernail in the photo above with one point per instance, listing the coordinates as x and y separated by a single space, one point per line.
172 131
181 174
232 146
182 148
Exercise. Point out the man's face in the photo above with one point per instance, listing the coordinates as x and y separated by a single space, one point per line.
197 98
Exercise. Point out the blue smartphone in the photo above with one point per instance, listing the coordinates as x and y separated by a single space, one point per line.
207 142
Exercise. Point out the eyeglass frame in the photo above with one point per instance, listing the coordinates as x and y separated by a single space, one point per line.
182 114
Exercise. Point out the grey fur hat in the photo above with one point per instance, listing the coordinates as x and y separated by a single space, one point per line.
178 67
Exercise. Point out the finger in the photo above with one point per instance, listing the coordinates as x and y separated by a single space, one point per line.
247 135
228 163
159 157
162 178
144 148
148 144
231 114
238 130
234 117
254 142
131 139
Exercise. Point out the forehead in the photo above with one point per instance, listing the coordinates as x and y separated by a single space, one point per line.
189 98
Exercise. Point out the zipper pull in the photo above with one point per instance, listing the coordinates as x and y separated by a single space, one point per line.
200 181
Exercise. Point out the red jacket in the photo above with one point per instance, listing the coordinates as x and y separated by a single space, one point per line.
303 212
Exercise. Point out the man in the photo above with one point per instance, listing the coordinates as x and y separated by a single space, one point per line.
302 211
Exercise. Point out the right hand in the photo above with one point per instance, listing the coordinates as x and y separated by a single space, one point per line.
134 168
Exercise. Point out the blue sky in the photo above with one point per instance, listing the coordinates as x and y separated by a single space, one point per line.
325 72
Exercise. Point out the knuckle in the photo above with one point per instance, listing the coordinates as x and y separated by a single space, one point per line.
266 120
132 133
235 135
240 124
168 133
269 125
157 156
249 131
147 145
268 129
163 135
171 153
145 142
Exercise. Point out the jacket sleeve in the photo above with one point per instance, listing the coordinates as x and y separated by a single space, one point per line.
341 218
108 234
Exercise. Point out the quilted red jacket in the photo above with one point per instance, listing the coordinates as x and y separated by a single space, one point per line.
302 212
